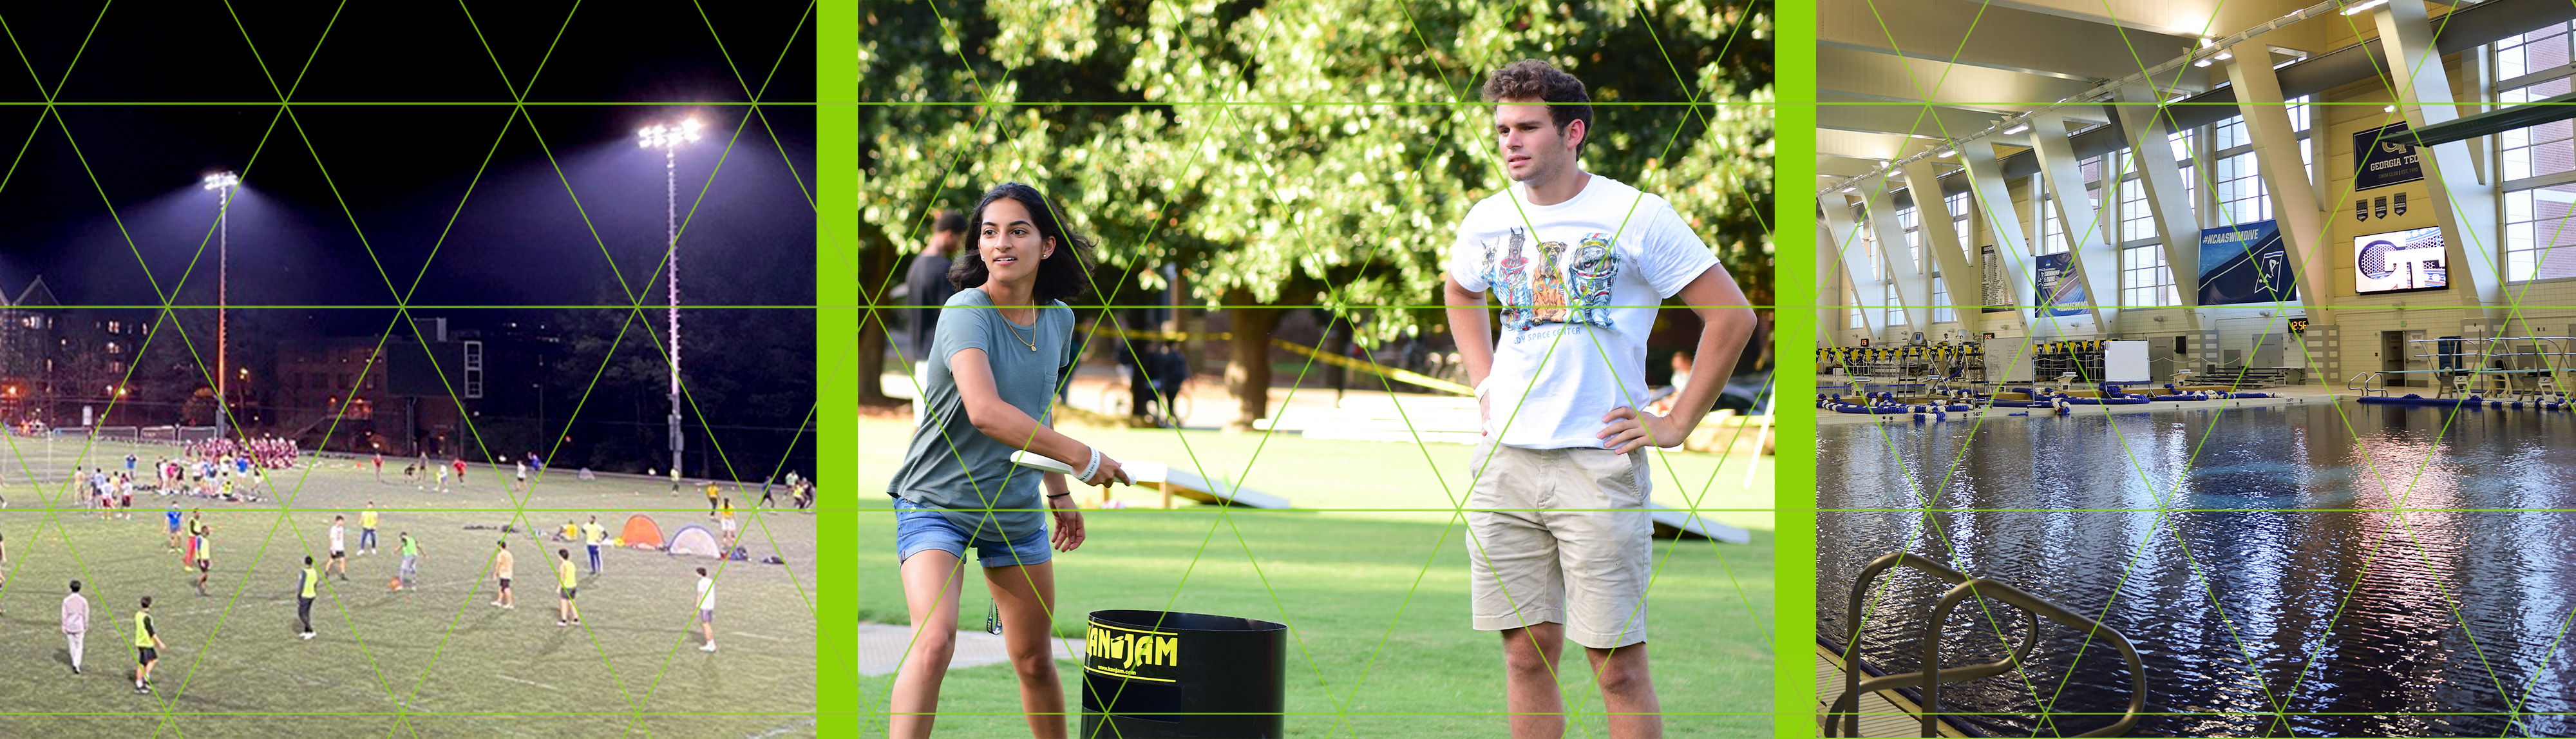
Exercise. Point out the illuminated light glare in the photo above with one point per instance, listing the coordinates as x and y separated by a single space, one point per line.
1947 153
220 180
2017 129
666 136
2358 9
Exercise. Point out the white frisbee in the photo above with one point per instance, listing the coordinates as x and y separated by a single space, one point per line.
1034 460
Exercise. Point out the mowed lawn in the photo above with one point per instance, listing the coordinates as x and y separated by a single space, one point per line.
1375 589
436 661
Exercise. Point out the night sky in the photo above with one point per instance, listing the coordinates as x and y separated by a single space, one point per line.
162 93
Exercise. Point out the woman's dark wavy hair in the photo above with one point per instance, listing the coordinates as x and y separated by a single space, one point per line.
1065 275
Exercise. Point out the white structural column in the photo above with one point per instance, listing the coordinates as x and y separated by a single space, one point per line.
1913 285
2296 206
2097 265
1838 237
1993 197
2465 210
1941 242
2150 133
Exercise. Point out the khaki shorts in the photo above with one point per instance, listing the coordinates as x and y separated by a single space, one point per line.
1542 549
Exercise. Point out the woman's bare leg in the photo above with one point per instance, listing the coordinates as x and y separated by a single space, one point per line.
932 581
1027 596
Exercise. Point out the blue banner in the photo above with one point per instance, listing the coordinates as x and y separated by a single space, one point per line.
2246 264
2058 286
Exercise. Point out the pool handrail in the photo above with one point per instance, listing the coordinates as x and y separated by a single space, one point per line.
1933 675
2361 382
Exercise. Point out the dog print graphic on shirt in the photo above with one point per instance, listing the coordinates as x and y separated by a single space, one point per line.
1566 286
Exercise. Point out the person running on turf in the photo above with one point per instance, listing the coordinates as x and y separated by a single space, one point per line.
339 547
147 646
707 609
726 523
567 580
205 556
305 590
76 624
196 525
367 529
502 566
1003 342
410 561
1559 542
593 535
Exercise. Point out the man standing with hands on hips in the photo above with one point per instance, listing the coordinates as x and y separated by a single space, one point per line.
1559 540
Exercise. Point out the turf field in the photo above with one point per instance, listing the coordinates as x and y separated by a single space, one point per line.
435 661
1375 589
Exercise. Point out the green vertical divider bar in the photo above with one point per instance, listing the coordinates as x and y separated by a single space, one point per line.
1793 554
836 330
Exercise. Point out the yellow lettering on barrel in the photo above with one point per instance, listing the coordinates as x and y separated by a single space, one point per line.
1167 651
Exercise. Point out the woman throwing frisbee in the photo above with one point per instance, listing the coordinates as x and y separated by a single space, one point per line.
1004 341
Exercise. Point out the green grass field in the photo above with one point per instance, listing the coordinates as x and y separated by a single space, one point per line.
1375 589
436 661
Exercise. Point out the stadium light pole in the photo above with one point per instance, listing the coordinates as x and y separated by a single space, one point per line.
669 138
223 183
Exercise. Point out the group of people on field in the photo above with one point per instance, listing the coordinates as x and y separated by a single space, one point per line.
193 540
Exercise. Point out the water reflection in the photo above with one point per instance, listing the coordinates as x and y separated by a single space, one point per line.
2277 576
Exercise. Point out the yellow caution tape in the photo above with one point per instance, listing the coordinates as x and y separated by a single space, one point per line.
1376 369
1338 361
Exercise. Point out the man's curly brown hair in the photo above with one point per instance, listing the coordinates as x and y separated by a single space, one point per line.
1531 79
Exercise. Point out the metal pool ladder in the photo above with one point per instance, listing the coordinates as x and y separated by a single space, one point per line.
1844 709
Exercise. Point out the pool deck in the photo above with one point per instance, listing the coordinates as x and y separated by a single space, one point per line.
1882 713
2300 395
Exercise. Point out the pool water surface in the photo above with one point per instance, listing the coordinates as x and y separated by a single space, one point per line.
2327 569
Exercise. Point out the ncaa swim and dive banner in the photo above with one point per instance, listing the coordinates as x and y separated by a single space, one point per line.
2058 286
2246 263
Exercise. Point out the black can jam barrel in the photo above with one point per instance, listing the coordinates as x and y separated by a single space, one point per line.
1164 675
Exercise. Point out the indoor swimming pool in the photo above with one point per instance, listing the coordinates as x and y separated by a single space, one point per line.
2253 557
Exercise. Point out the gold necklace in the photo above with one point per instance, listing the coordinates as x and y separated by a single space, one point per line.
1032 341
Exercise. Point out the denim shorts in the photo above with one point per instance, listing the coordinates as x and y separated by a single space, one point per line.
919 528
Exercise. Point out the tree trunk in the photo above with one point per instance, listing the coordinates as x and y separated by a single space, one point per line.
872 335
1248 374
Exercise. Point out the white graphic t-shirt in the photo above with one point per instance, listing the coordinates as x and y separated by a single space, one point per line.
1579 281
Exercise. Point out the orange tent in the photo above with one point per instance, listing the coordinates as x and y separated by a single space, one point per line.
640 533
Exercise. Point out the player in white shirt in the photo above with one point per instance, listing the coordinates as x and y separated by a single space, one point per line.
339 548
707 609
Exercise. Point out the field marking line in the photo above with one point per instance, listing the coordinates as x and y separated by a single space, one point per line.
527 682
784 730
756 636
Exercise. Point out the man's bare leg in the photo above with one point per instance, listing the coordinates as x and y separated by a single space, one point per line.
1627 691
1529 680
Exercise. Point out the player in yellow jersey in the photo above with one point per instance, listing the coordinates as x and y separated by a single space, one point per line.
568 579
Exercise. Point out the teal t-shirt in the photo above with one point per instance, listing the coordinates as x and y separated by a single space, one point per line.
955 468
